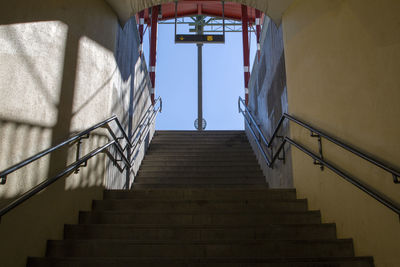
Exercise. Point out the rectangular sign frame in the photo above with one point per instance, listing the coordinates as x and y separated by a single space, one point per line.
200 38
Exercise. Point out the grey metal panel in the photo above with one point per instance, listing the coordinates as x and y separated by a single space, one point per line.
268 99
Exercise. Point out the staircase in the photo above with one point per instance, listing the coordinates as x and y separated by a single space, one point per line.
200 199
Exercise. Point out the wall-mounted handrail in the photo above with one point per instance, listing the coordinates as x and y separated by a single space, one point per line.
70 168
80 160
143 127
274 156
70 140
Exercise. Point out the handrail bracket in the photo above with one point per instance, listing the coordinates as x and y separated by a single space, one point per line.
283 157
78 152
396 179
321 155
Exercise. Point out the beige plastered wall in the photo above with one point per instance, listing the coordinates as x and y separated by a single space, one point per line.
58 76
342 65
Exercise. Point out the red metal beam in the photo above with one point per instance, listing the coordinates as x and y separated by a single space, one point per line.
258 32
246 52
204 7
153 49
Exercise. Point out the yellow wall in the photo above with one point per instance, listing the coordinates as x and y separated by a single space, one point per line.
342 64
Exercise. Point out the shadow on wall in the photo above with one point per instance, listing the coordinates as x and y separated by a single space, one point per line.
58 108
66 110
60 75
133 98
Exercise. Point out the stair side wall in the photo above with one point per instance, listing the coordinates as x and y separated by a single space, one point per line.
342 66
59 74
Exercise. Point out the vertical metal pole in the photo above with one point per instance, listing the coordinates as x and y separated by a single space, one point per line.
223 18
200 86
176 15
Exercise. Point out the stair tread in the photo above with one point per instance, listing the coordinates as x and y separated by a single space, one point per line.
219 259
202 262
204 201
201 242
144 185
208 212
204 226
201 194
207 190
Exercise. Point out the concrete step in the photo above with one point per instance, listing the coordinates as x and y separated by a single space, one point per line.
204 173
191 181
201 232
213 185
201 262
240 159
193 151
201 249
196 143
203 194
212 169
210 154
201 138
155 163
198 205
202 151
195 218
194 147
200 142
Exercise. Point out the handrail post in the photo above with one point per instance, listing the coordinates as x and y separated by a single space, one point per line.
396 179
78 152
321 155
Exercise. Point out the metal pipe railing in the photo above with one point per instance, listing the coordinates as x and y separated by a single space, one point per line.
354 181
46 183
45 152
319 160
83 160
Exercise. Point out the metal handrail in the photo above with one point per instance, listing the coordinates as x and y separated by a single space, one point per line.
262 142
70 140
27 195
80 160
143 127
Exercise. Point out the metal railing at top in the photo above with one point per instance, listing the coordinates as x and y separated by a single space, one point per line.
266 149
142 129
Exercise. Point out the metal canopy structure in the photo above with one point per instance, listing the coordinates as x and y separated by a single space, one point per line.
207 17
210 8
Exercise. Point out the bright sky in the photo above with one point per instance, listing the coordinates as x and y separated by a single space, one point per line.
176 81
